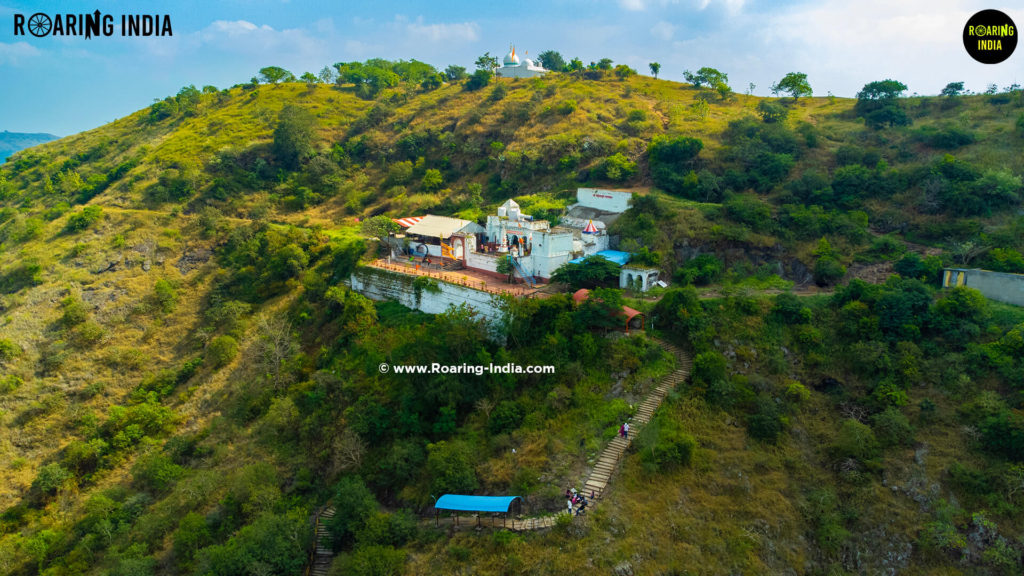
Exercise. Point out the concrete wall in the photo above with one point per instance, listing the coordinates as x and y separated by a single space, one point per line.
378 284
480 261
999 286
605 200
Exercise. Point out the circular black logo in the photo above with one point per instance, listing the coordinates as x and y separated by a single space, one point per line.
990 36
39 24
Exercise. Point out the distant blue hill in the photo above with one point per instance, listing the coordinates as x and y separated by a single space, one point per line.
11 142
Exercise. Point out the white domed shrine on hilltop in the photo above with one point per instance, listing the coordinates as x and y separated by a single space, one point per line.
514 67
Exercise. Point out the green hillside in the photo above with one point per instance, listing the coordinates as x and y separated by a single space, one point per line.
185 379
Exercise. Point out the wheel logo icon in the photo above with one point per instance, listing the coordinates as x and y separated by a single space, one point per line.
39 25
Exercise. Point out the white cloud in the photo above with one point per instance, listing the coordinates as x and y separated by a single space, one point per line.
733 6
244 37
14 54
455 32
663 30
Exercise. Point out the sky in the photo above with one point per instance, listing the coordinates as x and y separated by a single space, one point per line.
64 85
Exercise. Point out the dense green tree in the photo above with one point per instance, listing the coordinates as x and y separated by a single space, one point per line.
275 74
700 270
455 73
574 65
706 76
432 180
432 82
354 504
487 63
592 272
622 72
505 267
50 478
326 75
882 90
618 168
953 89
450 465
293 136
795 84
772 112
273 544
552 60
154 472
601 310
479 79
604 64
878 103
671 161
369 78
379 227
655 68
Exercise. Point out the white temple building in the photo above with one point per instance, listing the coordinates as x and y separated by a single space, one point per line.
513 67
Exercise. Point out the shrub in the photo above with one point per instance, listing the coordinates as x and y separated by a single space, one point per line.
75 312
165 296
670 161
618 168
788 309
772 112
8 350
855 440
751 211
221 351
81 220
26 273
432 180
505 417
86 334
154 472
766 421
708 367
663 446
700 270
797 392
50 478
567 107
892 428
374 561
828 271
10 383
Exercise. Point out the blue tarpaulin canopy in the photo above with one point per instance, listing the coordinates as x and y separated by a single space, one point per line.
616 256
474 503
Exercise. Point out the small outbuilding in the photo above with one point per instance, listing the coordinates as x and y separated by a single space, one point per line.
456 503
639 278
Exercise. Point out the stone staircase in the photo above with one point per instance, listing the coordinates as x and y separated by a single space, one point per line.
608 461
322 552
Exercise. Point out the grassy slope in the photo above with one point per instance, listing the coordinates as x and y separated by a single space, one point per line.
715 515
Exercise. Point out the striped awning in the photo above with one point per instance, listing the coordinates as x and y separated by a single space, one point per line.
406 222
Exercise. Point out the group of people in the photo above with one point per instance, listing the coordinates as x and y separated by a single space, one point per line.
572 498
